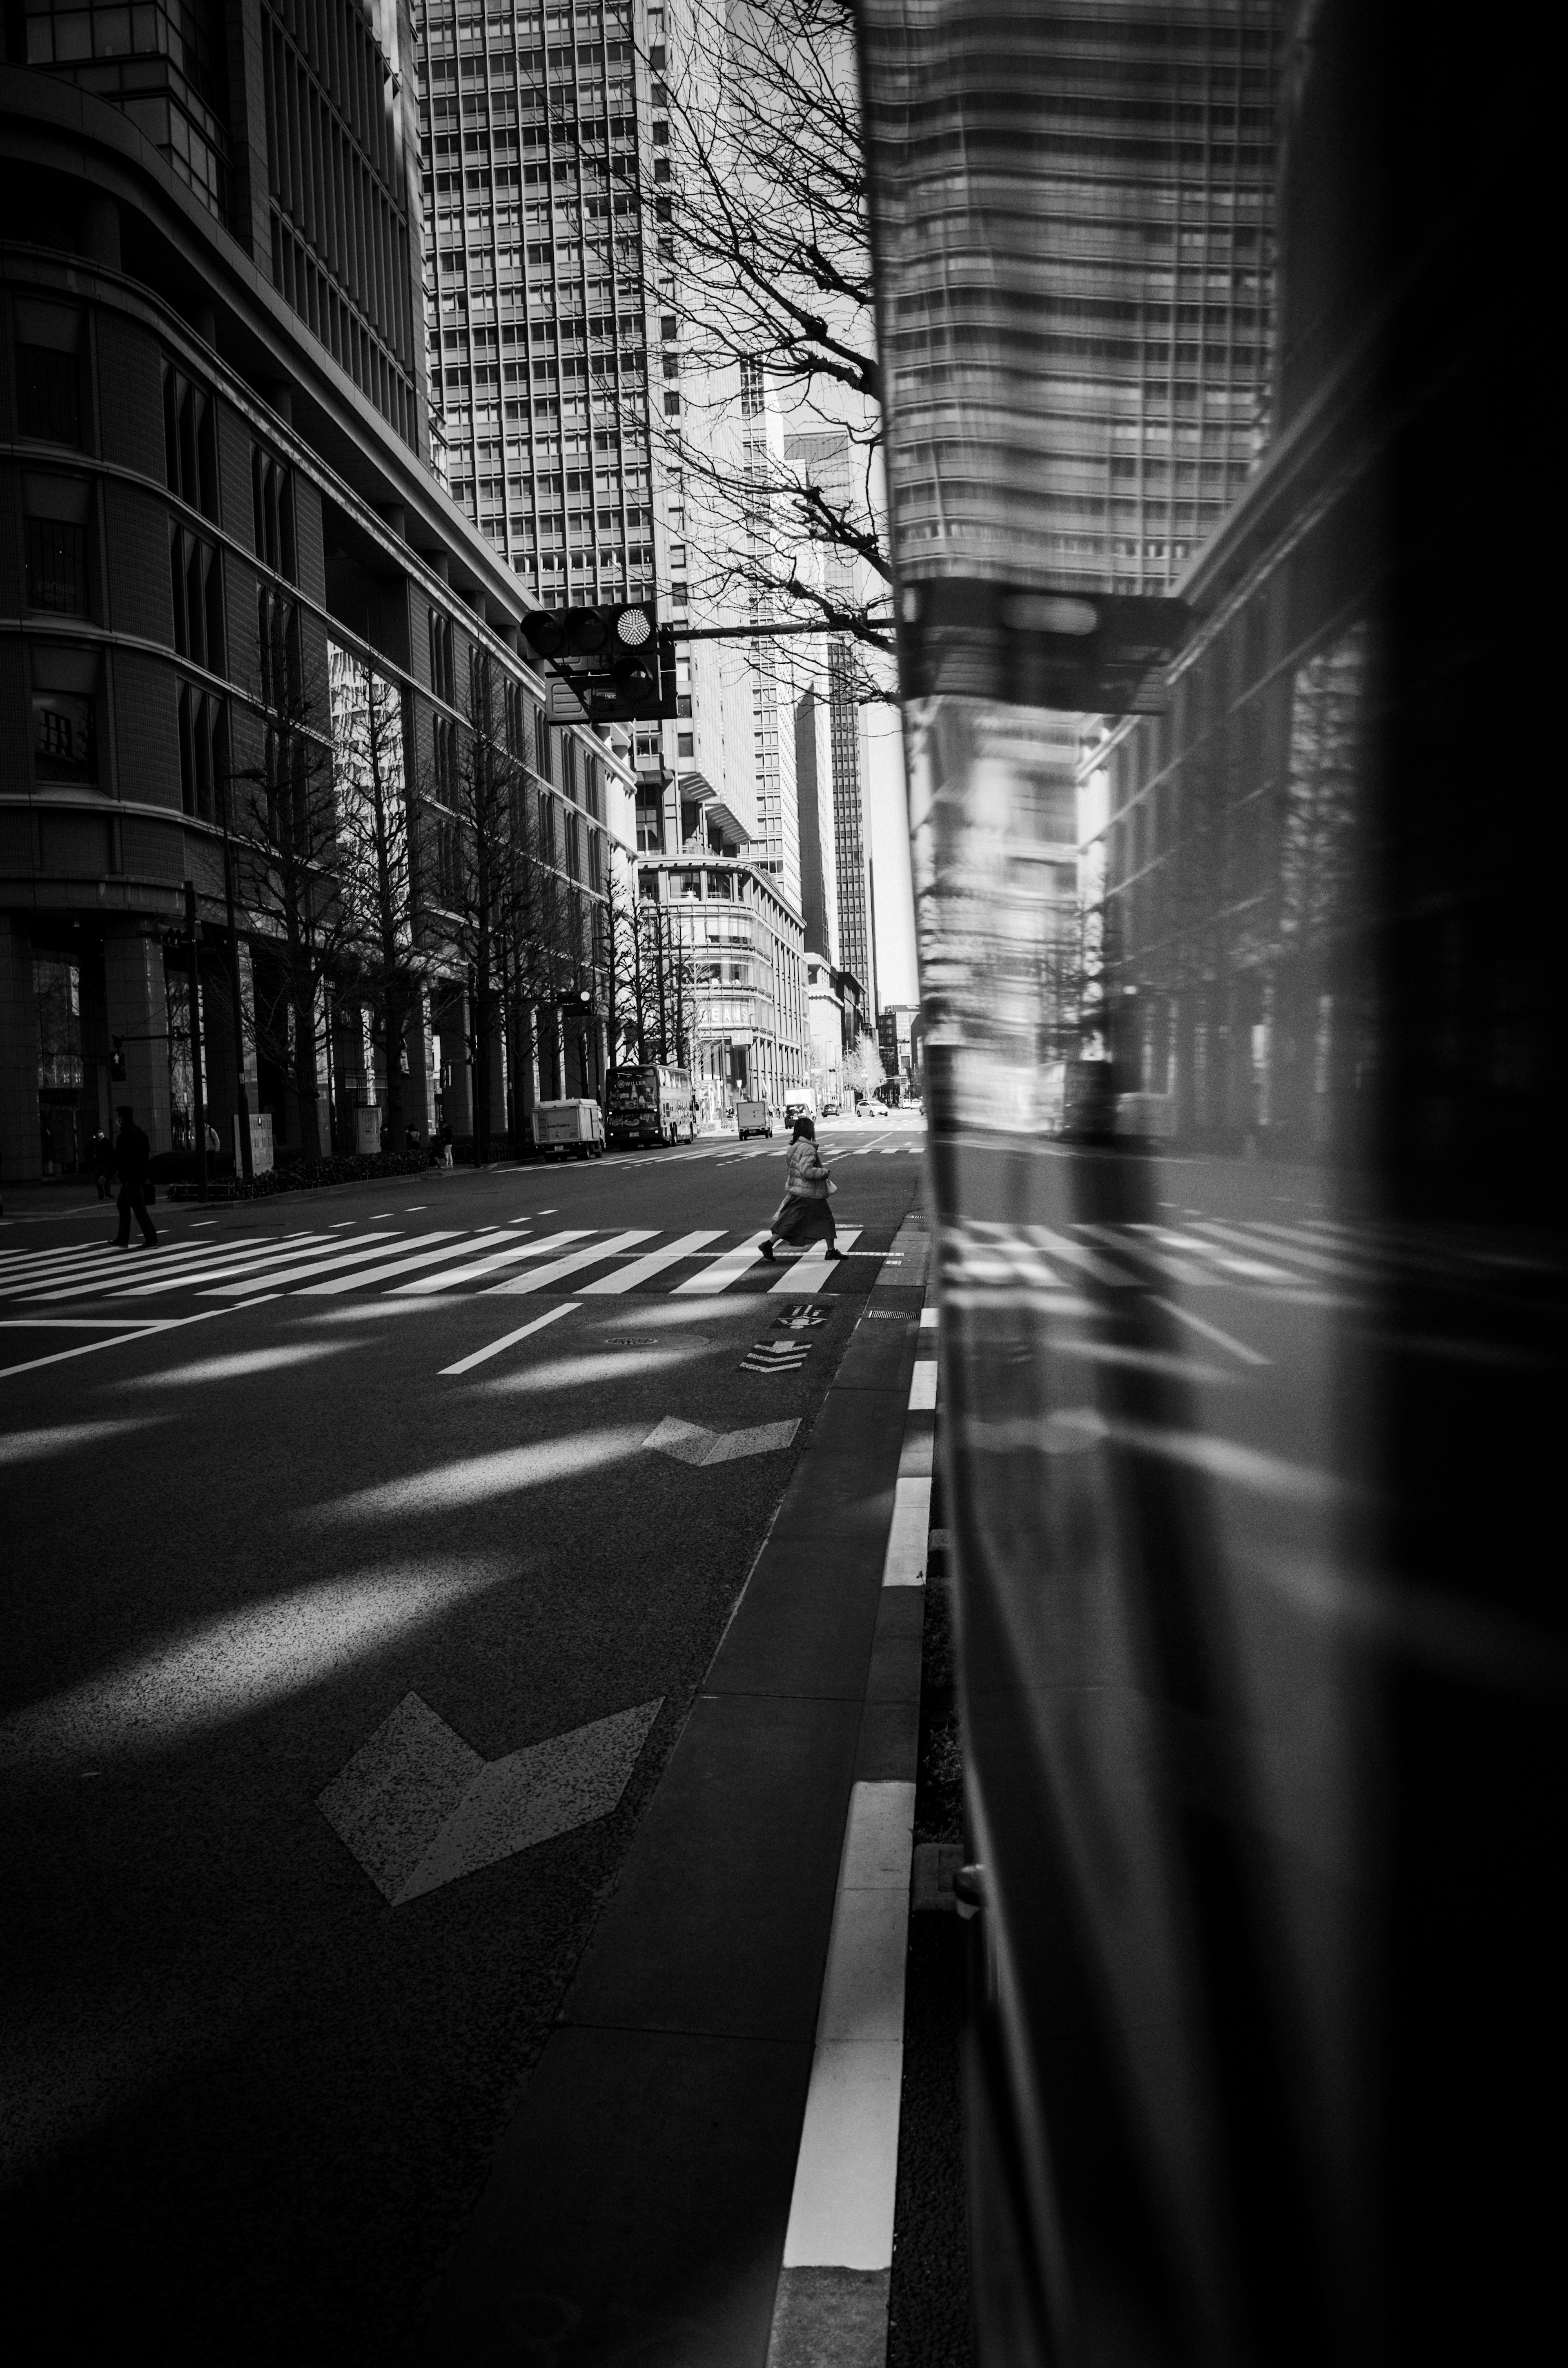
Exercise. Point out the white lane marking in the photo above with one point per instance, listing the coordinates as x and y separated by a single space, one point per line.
78 1323
1251 1269
1169 1269
314 1262
1287 1246
841 2211
510 1339
519 1286
472 1269
446 1237
141 1332
923 1387
641 1269
808 1273
724 1272
903 1564
928 1319
417 1807
1211 1332
1088 1262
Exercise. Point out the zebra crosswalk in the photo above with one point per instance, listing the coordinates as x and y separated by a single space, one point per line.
382 1260
1296 1263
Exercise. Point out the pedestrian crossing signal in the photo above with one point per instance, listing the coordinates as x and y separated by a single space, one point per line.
616 657
117 1060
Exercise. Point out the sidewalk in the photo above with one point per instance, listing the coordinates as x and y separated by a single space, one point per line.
639 2203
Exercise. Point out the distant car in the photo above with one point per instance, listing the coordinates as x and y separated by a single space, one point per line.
752 1118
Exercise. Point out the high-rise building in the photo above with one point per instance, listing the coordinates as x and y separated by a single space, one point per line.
1093 373
296 130
220 539
825 456
819 849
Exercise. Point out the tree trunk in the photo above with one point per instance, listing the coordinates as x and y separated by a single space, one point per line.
306 1095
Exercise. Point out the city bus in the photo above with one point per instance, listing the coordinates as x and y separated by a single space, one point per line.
649 1103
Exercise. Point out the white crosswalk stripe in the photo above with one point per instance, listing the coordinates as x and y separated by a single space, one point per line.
340 1283
809 1272
643 1270
471 1270
542 1278
315 1262
726 1269
379 1259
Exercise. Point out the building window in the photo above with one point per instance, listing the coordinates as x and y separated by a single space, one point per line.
272 502
48 400
441 656
277 639
65 715
197 581
57 566
191 442
204 752
444 749
49 376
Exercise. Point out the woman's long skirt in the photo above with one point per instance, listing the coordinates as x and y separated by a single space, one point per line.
800 1221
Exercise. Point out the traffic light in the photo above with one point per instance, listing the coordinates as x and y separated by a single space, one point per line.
580 1000
117 1060
616 657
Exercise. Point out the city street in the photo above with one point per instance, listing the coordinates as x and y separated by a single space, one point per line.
367 1551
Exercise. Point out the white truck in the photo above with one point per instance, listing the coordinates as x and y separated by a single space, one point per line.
564 1128
752 1118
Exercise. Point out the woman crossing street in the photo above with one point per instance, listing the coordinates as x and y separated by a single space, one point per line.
803 1215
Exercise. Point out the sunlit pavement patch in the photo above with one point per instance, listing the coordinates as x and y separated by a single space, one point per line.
473 1479
418 1808
236 1666
687 1442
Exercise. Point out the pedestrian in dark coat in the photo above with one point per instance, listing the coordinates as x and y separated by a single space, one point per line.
803 1215
132 1156
101 1153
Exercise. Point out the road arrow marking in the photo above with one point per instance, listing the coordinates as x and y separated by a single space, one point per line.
689 1443
418 1808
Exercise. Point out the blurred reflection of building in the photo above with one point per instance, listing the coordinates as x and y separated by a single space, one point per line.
738 947
827 457
1132 307
899 1034
825 1016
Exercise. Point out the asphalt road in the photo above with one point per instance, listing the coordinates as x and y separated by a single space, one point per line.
283 1942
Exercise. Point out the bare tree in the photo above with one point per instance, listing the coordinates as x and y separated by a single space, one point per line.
864 1069
288 862
761 232
381 958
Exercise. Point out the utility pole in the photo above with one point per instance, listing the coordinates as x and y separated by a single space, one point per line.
198 1096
